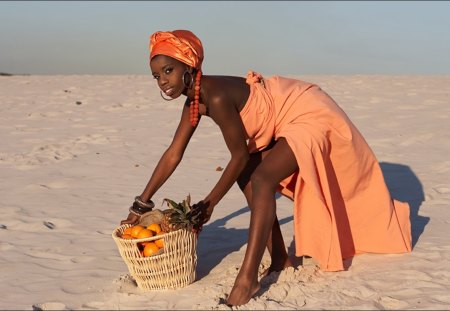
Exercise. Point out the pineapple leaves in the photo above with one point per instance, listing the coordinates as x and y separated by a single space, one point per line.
187 203
170 203
181 214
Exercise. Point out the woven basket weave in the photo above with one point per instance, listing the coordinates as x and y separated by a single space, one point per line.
172 268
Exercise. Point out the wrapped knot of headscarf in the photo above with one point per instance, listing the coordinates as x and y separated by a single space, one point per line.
182 45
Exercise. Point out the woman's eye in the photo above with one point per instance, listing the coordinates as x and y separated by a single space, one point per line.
156 77
168 70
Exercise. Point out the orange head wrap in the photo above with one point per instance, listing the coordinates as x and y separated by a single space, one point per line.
182 45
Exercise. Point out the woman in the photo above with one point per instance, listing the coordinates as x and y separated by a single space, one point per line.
284 135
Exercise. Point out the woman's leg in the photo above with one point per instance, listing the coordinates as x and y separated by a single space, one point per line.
275 243
278 164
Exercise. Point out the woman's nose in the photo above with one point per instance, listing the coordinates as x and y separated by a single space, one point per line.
162 81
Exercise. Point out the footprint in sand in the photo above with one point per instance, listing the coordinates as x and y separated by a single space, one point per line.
126 284
48 255
53 152
58 184
113 107
429 197
49 306
83 259
57 224
76 289
359 292
442 190
278 293
94 305
442 298
104 232
390 303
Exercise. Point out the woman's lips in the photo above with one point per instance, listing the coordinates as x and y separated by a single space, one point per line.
169 91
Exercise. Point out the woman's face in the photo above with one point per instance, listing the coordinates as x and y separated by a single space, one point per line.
168 72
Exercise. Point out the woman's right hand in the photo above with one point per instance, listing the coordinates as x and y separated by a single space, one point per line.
132 219
204 211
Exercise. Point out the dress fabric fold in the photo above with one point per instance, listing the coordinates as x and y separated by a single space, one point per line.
342 206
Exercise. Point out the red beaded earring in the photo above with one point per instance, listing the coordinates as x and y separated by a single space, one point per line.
193 108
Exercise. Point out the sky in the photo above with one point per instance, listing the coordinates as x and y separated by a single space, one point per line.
271 37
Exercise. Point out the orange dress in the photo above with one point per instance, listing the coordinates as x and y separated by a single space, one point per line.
342 206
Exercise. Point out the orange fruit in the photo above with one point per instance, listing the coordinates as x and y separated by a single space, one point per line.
135 230
141 245
126 236
150 249
160 242
127 231
144 233
155 228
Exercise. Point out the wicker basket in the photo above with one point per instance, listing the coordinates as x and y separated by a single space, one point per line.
172 268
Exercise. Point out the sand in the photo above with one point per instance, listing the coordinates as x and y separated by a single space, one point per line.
75 150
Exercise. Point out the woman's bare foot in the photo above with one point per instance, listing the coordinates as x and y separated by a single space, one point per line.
241 294
277 266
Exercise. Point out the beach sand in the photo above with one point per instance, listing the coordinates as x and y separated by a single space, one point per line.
76 150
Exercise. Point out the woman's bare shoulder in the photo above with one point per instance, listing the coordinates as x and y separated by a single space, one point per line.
225 89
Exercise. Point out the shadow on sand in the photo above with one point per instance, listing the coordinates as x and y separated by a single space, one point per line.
216 241
404 186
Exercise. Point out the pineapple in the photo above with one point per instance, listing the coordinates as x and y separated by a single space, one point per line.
178 216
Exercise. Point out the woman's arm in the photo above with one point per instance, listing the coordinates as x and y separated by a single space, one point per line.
169 160
171 157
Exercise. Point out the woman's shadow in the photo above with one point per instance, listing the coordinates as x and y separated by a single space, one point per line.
404 186
216 241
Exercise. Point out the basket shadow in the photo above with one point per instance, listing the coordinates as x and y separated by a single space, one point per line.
405 186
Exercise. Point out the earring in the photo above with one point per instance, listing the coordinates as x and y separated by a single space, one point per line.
165 98
191 78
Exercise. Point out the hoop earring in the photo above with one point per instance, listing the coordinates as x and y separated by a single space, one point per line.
183 78
165 98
